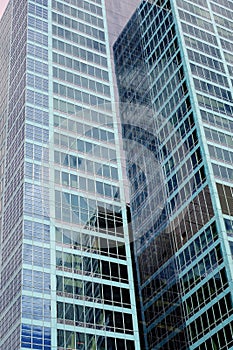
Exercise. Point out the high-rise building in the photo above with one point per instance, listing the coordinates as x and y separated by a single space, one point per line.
65 262
174 66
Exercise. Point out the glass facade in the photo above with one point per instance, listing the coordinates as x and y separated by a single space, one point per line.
66 270
174 71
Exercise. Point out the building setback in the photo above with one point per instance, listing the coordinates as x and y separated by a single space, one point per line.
174 67
65 262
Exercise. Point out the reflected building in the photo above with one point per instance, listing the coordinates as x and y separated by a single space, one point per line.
174 70
65 262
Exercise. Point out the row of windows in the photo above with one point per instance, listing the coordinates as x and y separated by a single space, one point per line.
183 172
79 52
213 90
225 33
92 291
222 172
221 339
37 66
81 27
199 45
220 153
78 39
171 103
200 34
187 190
157 252
74 109
107 216
77 13
79 81
36 337
226 12
80 210
168 61
35 255
85 165
192 8
205 60
172 160
66 107
37 51
156 13
37 133
38 11
87 316
82 341
214 105
36 201
87 147
92 186
35 152
33 171
37 37
209 75
160 302
40 2
206 293
202 268
38 99
178 156
170 148
38 24
89 185
193 217
219 137
165 43
37 82
36 308
80 67
196 247
155 32
80 96
86 242
227 45
194 20
80 127
225 3
36 231
211 318
36 281
87 5
88 131
224 22
171 76
175 118
82 183
12 288
12 340
91 266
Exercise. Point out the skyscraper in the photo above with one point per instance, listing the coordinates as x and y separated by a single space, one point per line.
66 274
174 67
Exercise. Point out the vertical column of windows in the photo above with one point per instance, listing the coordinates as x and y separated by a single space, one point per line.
90 247
214 94
12 200
36 253
210 77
